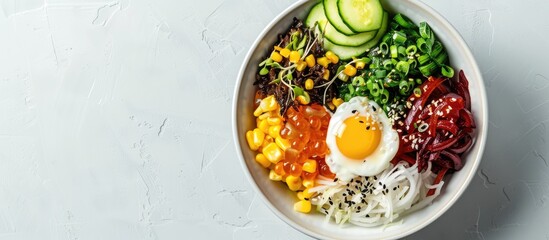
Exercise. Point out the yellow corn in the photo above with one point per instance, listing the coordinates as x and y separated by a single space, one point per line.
268 104
294 183
323 61
302 195
332 57
309 84
300 65
331 106
258 111
273 176
294 56
308 183
259 136
275 56
273 152
303 206
326 74
264 115
349 70
306 193
285 52
309 166
310 60
282 143
360 65
274 120
250 139
268 139
337 101
264 126
274 131
303 100
261 159
277 48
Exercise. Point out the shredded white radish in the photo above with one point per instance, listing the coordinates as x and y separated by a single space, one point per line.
376 200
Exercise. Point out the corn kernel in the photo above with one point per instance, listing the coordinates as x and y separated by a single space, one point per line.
350 70
306 193
268 139
264 126
360 65
275 56
309 84
285 52
308 183
258 137
303 100
282 143
264 115
278 48
300 65
309 166
303 206
300 196
294 56
261 159
310 60
274 121
326 74
268 104
294 183
273 152
258 111
331 106
250 139
274 131
337 101
332 57
323 61
273 176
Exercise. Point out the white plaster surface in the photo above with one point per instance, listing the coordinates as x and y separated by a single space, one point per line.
115 120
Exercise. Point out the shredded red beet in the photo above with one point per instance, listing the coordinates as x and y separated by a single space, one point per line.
438 127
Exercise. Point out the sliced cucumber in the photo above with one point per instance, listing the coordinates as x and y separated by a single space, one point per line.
346 52
317 15
361 15
332 13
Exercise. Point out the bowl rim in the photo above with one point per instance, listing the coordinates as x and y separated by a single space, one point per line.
480 138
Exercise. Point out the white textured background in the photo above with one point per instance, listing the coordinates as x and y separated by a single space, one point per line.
115 120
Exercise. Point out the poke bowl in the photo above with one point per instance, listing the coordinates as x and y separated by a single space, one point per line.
321 73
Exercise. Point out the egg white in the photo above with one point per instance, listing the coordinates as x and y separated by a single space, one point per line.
346 168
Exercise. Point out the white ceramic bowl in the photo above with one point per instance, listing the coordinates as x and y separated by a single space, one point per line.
276 195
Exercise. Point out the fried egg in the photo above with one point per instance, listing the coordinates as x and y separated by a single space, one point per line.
361 139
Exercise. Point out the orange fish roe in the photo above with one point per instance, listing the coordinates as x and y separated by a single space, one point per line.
292 147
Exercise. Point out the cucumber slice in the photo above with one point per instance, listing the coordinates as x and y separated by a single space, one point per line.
361 15
317 15
346 52
332 13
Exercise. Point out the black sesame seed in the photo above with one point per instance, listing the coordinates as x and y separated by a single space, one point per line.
368 127
360 121
395 188
331 203
384 186
344 194
335 179
359 207
354 111
380 183
374 108
367 215
339 205
375 178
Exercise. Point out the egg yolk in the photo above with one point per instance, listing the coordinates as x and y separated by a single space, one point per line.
358 137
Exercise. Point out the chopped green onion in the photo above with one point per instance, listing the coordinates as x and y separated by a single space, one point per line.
441 58
447 71
403 87
302 43
423 59
412 63
436 49
403 67
358 81
399 37
411 50
380 73
401 51
424 30
428 69
394 52
423 46
387 63
417 92
384 48
384 96
375 90
351 89
403 21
